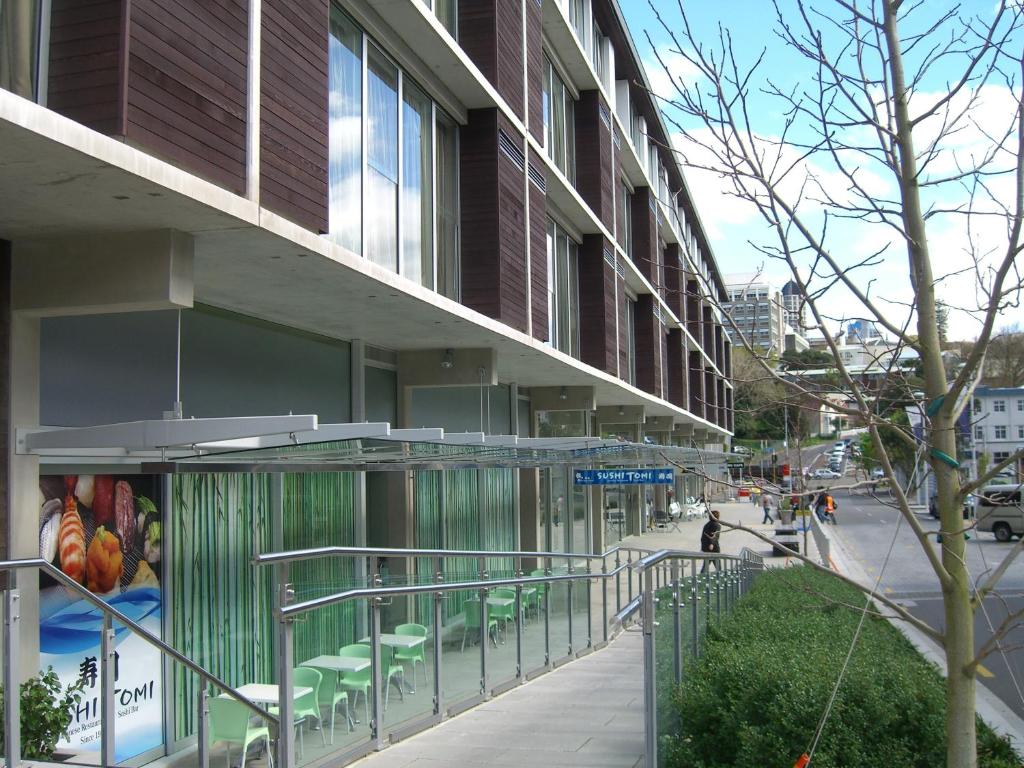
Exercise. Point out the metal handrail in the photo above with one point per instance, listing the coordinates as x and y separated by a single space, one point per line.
110 614
278 558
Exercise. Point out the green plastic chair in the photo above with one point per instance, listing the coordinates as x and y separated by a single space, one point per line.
542 590
471 622
331 695
358 682
229 722
391 670
503 613
413 655
307 705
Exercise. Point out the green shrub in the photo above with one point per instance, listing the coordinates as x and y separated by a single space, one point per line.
755 697
45 714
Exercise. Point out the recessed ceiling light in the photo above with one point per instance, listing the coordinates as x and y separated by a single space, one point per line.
275 257
122 197
301 255
155 194
371 297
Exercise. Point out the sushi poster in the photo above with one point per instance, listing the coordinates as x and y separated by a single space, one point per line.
103 531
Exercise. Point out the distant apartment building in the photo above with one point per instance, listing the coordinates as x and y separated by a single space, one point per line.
758 314
997 424
795 307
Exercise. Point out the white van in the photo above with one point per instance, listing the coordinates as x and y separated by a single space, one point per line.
998 511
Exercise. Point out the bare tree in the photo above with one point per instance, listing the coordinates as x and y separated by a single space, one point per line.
871 139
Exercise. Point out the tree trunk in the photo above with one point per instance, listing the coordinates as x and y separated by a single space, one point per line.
961 739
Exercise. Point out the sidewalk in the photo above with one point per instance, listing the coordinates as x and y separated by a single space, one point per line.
743 513
588 713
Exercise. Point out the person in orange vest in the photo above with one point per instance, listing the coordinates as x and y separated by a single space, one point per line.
830 508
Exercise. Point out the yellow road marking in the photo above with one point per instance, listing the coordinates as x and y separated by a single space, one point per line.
984 671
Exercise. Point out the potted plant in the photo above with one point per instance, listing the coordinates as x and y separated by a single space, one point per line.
46 711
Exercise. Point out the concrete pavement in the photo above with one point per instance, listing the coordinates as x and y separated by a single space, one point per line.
586 713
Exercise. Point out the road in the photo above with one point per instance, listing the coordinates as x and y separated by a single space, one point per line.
867 528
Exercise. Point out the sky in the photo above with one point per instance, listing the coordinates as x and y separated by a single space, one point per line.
732 226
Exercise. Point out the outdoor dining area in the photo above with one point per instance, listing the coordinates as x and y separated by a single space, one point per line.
332 692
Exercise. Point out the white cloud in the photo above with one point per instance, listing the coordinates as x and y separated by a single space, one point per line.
672 72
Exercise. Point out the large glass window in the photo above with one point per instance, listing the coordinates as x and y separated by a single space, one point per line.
446 12
597 54
417 186
563 291
393 164
346 133
577 17
625 229
447 207
559 122
381 160
630 340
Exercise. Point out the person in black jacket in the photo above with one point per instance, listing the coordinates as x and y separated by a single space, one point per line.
709 539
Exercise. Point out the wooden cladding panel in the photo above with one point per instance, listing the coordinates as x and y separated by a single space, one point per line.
710 396
719 346
707 337
493 204
696 384
491 34
730 415
85 62
509 30
293 110
720 399
538 253
675 284
595 173
693 317
186 89
674 359
645 235
598 307
535 69
648 346
478 194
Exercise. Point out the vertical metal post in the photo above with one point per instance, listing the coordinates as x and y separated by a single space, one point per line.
590 606
108 710
203 731
520 620
438 644
376 676
650 689
694 598
707 596
286 702
547 614
718 594
485 631
12 664
604 600
629 576
677 626
570 585
618 582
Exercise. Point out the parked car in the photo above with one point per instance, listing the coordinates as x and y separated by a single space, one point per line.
825 474
877 473
998 509
742 450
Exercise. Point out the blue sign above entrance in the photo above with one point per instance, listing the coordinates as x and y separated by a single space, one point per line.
623 477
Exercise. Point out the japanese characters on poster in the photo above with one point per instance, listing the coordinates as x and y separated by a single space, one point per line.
103 531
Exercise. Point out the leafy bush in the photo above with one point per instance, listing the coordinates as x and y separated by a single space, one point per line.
45 714
756 695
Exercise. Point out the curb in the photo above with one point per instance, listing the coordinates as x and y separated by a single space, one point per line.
989 707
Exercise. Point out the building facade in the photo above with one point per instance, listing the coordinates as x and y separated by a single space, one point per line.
758 312
795 306
997 426
426 213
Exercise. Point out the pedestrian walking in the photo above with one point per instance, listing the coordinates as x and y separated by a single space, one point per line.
820 505
766 507
830 508
709 539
